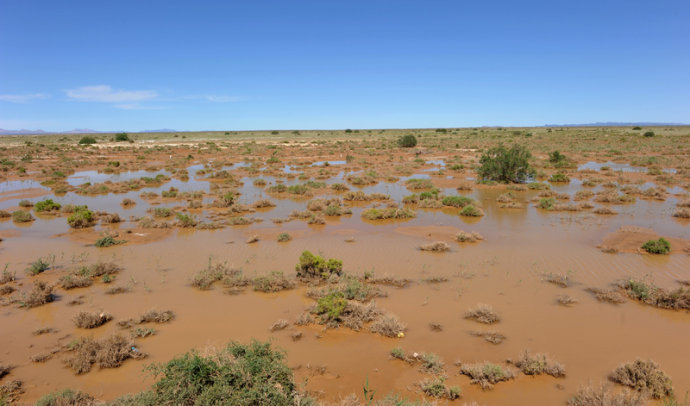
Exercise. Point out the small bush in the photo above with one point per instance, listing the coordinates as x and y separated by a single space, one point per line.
464 236
501 164
66 397
21 216
644 376
108 241
315 266
38 266
253 374
436 388
438 246
559 178
487 374
87 140
284 237
81 218
40 294
108 353
186 220
91 320
457 201
407 141
274 282
603 396
471 211
539 364
660 246
331 306
47 206
388 213
649 134
119 137
483 313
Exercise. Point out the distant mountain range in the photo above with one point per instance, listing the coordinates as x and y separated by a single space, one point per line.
75 131
613 124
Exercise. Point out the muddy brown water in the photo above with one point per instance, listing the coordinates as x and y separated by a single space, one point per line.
506 270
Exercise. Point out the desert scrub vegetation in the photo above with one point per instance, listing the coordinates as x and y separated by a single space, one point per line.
407 141
388 213
110 352
645 377
483 313
604 396
39 266
436 388
47 205
312 266
67 397
471 211
660 246
82 217
252 374
437 246
464 236
21 216
108 241
91 319
273 282
539 364
283 237
419 184
486 374
41 293
658 297
494 337
457 201
505 165
186 220
611 296
213 273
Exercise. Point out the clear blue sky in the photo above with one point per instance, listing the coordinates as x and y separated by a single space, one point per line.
135 65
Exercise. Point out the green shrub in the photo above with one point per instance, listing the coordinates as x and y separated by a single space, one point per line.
21 216
505 165
547 203
315 266
559 178
456 201
284 237
82 217
87 140
186 220
407 141
556 157
243 375
25 203
471 211
660 246
121 137
65 397
649 134
108 241
38 266
47 205
331 306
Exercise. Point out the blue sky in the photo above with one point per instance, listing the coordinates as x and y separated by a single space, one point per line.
240 65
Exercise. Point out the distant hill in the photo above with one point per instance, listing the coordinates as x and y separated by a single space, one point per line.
613 124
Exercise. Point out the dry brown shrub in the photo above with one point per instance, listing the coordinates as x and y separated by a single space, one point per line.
644 376
483 313
91 320
603 396
539 364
